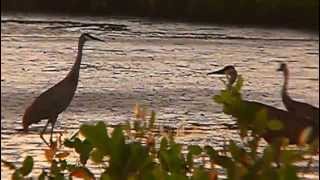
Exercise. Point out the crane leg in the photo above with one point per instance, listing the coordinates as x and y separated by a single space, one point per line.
53 122
42 132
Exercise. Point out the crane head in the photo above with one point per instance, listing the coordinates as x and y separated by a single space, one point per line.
283 67
229 71
86 37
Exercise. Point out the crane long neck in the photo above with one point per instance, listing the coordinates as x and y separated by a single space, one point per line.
74 73
285 84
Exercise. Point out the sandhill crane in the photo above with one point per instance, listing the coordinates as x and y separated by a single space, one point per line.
57 98
293 126
230 73
299 108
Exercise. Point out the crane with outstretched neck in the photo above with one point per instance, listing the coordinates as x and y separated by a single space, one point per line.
293 126
299 108
57 98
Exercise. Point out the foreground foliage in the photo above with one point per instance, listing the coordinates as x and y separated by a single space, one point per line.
135 151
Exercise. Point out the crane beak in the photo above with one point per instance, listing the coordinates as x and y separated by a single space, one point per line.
97 39
94 38
279 69
221 71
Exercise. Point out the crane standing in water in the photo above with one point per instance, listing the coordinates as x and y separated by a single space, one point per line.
298 108
56 99
293 126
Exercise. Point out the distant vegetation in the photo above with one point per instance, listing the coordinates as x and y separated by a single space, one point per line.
297 13
134 150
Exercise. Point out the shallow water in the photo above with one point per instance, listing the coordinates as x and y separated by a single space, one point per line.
162 65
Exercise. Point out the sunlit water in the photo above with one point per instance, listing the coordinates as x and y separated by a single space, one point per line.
162 65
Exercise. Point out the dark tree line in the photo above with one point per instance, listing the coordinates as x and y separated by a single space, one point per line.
303 13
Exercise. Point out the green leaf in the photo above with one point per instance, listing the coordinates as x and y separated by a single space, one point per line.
159 173
163 144
139 161
288 172
27 166
177 176
42 176
239 83
152 119
117 137
17 175
275 125
105 176
96 156
200 174
268 156
224 161
261 122
253 145
171 158
235 151
239 170
137 126
63 164
218 99
59 176
211 153
68 143
193 150
84 150
291 156
97 136
243 130
54 169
